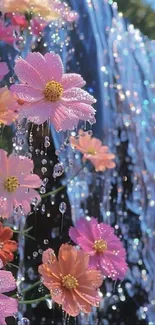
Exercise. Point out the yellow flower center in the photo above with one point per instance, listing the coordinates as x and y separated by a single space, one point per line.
53 91
100 246
69 282
91 151
11 183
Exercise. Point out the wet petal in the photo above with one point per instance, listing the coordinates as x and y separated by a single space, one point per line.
55 66
70 80
8 282
77 95
28 74
27 93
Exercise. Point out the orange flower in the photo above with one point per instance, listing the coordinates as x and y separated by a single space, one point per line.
70 282
92 149
8 106
7 246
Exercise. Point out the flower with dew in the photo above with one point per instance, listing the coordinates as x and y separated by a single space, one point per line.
8 306
17 183
37 25
18 20
70 282
7 33
93 150
49 92
7 246
47 9
8 107
3 69
103 246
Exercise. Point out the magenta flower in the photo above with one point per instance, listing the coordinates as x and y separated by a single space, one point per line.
18 20
104 248
37 25
8 306
3 69
7 33
48 92
17 183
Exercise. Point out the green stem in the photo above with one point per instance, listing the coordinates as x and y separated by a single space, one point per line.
63 186
24 233
28 229
33 301
28 236
13 265
30 287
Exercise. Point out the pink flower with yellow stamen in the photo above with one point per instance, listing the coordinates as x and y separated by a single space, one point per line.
48 92
102 245
17 183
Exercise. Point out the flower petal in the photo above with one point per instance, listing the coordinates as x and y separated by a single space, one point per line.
67 258
20 165
30 181
6 205
55 66
27 93
37 60
37 112
28 74
8 282
77 95
70 80
8 307
48 256
24 198
63 118
70 304
3 162
50 274
6 234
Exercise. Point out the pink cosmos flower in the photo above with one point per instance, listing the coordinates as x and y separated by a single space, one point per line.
7 33
104 248
8 306
17 183
8 106
48 92
93 150
70 282
3 69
